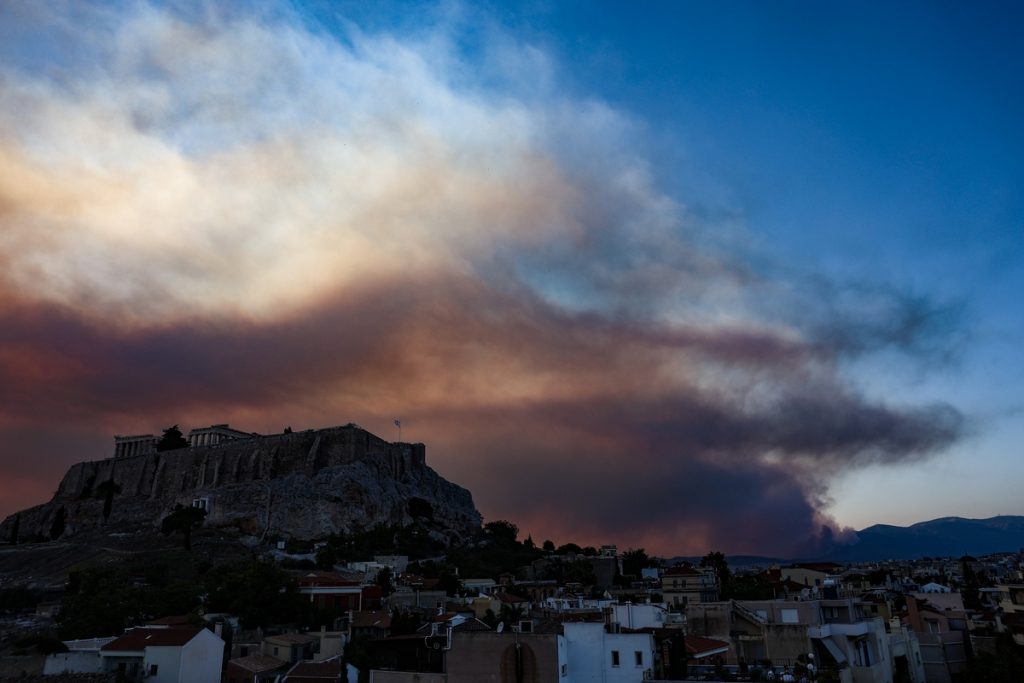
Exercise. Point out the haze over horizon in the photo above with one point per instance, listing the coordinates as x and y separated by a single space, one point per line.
737 277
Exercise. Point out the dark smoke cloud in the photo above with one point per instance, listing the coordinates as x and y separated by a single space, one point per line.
573 424
210 217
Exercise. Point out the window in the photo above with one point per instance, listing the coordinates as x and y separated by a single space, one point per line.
790 616
615 657
639 657
565 670
153 669
275 651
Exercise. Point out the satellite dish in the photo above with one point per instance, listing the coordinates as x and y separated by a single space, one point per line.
501 626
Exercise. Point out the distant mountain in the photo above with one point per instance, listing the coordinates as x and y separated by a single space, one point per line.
735 561
944 537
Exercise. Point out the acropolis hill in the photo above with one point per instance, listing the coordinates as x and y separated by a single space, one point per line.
303 484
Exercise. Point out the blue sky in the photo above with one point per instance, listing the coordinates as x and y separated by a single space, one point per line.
776 247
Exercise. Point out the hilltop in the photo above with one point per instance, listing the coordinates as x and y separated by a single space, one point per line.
305 485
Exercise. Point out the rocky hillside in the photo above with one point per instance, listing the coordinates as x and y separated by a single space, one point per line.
302 485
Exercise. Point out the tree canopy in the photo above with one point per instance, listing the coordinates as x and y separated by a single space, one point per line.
183 519
171 440
502 529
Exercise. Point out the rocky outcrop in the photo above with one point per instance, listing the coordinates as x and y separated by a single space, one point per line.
302 484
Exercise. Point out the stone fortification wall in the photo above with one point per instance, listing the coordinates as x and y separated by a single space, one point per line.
303 484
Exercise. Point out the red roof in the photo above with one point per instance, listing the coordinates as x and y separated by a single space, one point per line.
327 579
258 663
371 619
698 647
139 639
177 620
314 672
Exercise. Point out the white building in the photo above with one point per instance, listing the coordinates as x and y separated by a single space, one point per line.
165 655
595 655
82 657
641 616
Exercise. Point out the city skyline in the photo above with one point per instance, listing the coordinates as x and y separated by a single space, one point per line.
688 278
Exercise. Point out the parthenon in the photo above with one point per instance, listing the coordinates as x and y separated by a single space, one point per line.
145 444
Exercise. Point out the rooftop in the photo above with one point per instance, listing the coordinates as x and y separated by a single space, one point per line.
139 639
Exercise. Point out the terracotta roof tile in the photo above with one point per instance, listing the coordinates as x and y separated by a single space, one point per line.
139 639
258 663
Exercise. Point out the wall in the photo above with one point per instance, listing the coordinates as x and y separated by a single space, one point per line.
73 662
589 648
202 658
489 657
168 661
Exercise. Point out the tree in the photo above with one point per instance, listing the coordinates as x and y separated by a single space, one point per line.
260 593
634 560
567 548
404 622
449 583
171 440
549 546
419 507
1005 666
528 543
716 560
502 530
385 579
326 557
107 490
183 519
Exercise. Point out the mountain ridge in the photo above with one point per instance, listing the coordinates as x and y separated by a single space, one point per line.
940 537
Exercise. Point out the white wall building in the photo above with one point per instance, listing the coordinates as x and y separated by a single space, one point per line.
596 656
640 616
165 655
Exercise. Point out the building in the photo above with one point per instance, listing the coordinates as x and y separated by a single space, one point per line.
130 446
165 655
216 434
254 669
681 586
597 653
942 637
290 647
638 616
337 591
836 632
